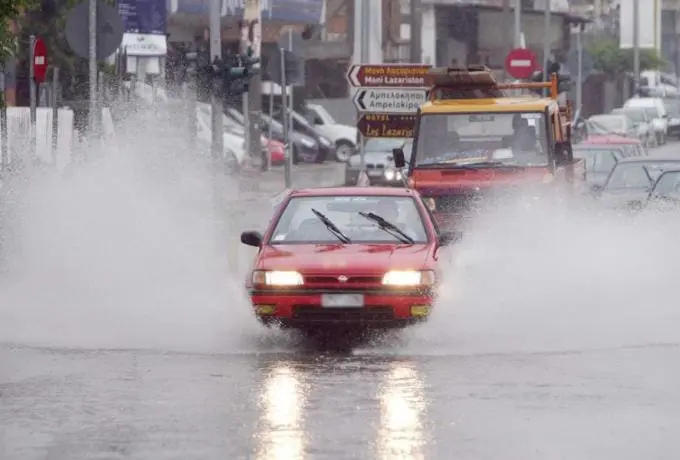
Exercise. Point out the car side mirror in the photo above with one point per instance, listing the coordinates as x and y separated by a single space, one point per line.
399 157
446 238
251 238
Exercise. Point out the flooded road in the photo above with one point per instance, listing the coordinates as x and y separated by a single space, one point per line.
374 404
556 338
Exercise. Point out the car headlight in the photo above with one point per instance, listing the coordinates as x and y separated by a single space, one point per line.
409 278
308 144
430 203
392 174
277 278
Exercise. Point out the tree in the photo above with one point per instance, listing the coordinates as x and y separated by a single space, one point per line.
614 61
10 13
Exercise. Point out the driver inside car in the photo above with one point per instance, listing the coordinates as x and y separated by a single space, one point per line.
388 209
524 137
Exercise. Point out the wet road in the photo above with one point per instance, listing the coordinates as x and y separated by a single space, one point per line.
59 404
419 395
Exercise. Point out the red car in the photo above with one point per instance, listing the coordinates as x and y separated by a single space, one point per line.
276 151
363 257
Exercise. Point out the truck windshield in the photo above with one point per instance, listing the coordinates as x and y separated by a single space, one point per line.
512 138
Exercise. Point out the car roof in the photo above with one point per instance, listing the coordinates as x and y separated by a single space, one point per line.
610 139
353 191
584 146
651 159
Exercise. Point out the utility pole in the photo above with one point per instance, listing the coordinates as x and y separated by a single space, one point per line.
252 15
636 46
92 31
365 59
217 149
547 43
416 52
33 97
518 23
579 72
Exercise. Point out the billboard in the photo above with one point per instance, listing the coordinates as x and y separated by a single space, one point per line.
288 11
649 24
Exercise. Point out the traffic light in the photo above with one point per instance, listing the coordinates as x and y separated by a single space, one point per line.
564 80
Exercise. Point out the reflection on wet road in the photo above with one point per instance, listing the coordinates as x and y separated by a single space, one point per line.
72 405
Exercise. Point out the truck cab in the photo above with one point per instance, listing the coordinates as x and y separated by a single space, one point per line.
471 139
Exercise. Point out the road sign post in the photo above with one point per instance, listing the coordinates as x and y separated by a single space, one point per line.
520 63
387 100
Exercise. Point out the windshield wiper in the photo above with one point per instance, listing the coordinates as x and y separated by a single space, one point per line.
332 227
388 226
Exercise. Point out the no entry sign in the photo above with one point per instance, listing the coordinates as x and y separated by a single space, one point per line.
520 63
39 60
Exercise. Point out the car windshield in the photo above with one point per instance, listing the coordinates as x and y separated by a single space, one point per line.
598 160
610 122
638 175
278 114
637 115
299 223
236 115
512 138
652 112
270 121
668 184
323 114
380 144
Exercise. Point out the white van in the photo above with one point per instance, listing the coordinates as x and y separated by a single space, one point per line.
660 122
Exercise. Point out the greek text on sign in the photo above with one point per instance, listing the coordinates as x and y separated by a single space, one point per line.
390 100
387 75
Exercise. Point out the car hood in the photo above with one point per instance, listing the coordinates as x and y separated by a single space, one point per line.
352 258
298 137
597 179
622 198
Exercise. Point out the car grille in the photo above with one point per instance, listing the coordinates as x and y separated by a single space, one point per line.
311 313
353 283
375 166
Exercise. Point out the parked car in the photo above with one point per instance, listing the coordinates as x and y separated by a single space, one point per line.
600 160
673 109
631 146
302 126
234 144
660 116
642 121
615 123
631 180
665 194
305 149
379 161
343 136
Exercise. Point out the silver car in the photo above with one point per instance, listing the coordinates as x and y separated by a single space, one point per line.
379 162
642 122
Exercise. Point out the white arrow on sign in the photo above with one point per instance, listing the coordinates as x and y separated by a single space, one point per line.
352 75
390 100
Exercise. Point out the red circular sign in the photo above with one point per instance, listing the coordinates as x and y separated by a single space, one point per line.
520 63
39 60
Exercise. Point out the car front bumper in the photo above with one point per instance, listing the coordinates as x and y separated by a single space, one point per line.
381 310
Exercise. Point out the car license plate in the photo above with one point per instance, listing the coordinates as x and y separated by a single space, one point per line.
342 300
